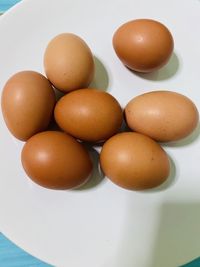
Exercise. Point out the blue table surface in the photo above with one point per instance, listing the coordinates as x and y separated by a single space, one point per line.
6 4
10 254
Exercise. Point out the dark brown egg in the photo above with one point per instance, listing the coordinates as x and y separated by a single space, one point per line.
56 160
143 45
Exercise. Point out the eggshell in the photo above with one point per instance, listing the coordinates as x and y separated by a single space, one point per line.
162 115
68 62
56 160
27 104
134 161
143 45
89 114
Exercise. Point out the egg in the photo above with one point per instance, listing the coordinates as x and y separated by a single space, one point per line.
27 103
89 114
68 62
56 160
162 115
143 45
134 161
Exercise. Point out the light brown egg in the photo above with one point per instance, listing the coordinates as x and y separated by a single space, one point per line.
143 45
27 104
68 62
56 160
162 115
134 161
89 114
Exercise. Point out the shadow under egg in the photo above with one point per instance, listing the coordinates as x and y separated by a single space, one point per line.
97 176
193 137
166 72
101 78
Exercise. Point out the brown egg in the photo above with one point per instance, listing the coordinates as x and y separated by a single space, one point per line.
56 160
143 45
134 161
89 114
162 115
68 62
27 104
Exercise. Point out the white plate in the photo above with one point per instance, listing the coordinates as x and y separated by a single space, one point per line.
103 225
